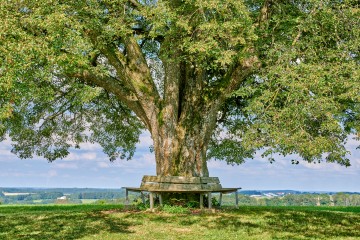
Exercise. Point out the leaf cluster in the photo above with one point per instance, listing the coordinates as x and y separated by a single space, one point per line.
305 98
302 98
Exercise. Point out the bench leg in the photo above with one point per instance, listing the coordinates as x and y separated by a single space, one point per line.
126 197
236 199
143 198
201 201
151 201
160 199
220 199
209 200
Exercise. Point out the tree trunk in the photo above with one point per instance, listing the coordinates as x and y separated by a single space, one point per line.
183 154
184 123
181 120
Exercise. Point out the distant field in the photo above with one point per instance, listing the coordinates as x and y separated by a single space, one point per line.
93 221
15 194
87 201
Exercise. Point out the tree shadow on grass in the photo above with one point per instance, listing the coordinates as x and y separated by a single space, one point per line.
316 224
67 225
285 224
279 223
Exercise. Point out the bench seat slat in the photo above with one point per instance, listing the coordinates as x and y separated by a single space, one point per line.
179 187
180 179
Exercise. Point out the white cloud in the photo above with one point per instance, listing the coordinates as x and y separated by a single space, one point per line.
51 173
74 156
321 166
149 159
220 165
90 146
352 143
355 161
145 140
6 155
103 165
6 144
65 165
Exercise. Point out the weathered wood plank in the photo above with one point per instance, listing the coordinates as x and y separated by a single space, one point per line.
180 179
151 186
210 180
171 179
227 190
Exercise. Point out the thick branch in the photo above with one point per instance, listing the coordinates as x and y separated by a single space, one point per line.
133 72
135 4
264 14
111 85
138 74
240 72
171 90
235 76
138 70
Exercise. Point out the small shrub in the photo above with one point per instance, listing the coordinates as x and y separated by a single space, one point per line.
138 204
193 204
215 202
101 202
174 209
177 202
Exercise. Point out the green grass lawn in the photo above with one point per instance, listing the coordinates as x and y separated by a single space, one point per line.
114 222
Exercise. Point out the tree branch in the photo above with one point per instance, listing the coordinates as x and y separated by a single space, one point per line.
264 14
135 4
111 85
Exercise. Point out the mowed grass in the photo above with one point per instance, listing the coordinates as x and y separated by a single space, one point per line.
114 222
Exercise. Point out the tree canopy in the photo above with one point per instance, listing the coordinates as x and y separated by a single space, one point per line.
209 79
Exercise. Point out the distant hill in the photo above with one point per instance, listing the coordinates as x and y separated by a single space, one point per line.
285 192
262 192
63 190
120 190
16 195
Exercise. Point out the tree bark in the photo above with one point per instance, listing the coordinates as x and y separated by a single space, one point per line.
185 123
181 152
181 121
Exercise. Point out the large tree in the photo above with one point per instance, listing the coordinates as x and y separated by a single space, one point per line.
208 79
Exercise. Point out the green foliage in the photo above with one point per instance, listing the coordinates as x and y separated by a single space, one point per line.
305 97
138 203
97 195
174 209
215 202
192 204
315 200
101 202
286 71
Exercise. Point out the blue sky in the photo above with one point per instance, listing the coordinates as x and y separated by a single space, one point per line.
89 167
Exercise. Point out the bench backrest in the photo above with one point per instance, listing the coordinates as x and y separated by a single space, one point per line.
180 184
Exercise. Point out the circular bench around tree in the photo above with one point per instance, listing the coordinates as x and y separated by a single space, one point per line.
179 184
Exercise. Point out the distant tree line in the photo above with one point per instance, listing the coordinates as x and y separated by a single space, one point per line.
97 195
50 197
338 199
308 199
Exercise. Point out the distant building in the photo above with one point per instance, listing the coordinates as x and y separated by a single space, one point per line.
256 196
15 194
270 195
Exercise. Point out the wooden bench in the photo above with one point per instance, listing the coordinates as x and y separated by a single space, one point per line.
178 184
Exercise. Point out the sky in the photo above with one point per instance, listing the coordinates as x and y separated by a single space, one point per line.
90 168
